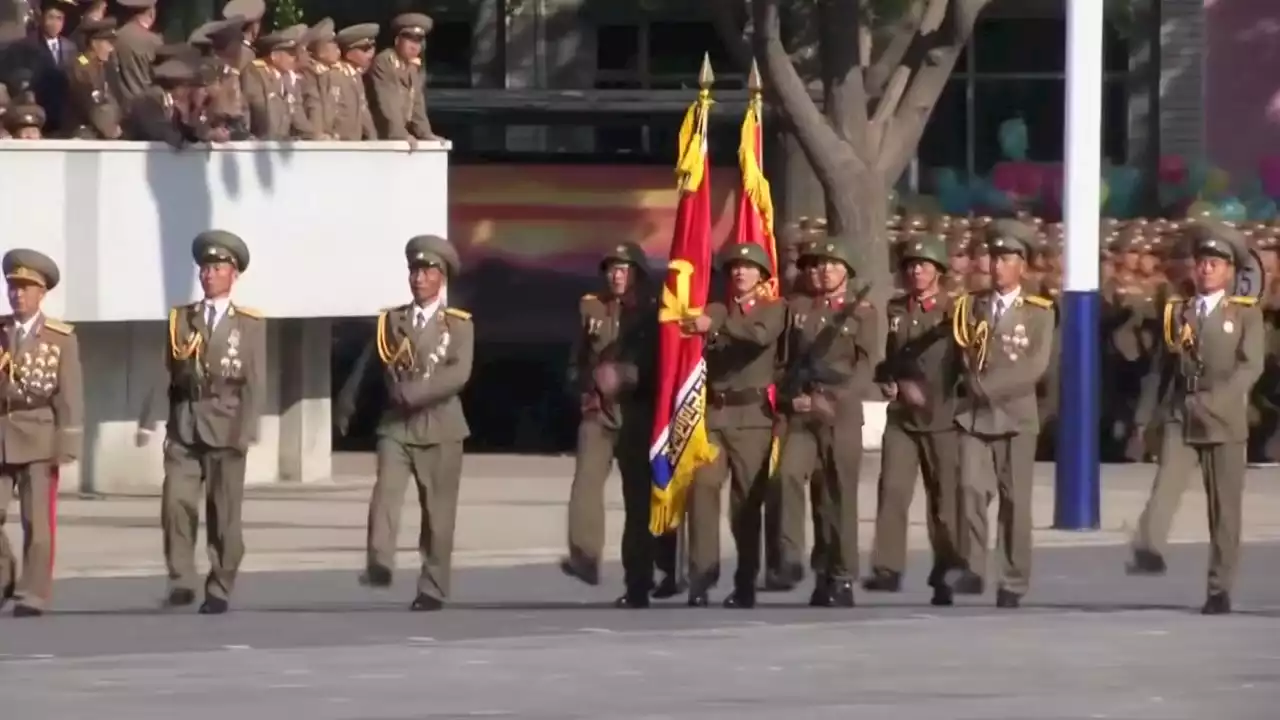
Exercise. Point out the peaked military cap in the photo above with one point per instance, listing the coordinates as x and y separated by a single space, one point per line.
185 52
627 253
220 246
1217 239
750 253
251 10
1012 236
319 33
175 72
358 35
136 4
929 248
415 24
285 39
432 251
836 249
221 33
31 266
103 29
24 116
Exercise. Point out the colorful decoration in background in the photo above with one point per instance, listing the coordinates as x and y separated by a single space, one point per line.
1013 139
679 444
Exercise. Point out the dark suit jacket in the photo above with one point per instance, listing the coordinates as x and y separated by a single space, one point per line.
49 77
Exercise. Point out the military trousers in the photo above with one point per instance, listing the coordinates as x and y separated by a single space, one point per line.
1222 469
1001 467
598 448
834 456
936 457
193 472
36 493
437 472
744 462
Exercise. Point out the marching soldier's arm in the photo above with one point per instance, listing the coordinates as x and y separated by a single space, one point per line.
419 125
135 59
758 328
344 405
1022 378
1250 361
68 401
453 372
387 100
579 370
255 388
858 370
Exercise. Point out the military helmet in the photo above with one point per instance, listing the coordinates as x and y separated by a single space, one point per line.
745 253
930 248
627 252
828 249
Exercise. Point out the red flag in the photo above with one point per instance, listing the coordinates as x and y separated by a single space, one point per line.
679 441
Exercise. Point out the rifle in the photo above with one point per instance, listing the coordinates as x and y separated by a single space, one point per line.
806 372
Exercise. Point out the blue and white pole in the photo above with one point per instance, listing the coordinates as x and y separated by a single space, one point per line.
1077 495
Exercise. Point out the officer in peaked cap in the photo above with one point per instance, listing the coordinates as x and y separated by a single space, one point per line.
1012 236
397 84
224 33
1215 239
321 32
25 122
175 72
283 39
412 24
31 266
186 52
355 36
103 29
432 251
43 425
249 14
220 246
251 10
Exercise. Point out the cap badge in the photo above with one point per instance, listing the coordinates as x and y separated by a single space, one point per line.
211 251
919 246
420 256
831 248
744 250
621 248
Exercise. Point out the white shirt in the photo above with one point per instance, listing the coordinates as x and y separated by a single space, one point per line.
55 47
422 314
23 329
1004 302
220 307
1206 304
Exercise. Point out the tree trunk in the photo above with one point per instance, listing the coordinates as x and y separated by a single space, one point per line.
859 204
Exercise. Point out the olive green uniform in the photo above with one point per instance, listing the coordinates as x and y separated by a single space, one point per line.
621 331
397 87
1000 421
742 351
41 427
924 440
213 397
835 343
426 356
1212 357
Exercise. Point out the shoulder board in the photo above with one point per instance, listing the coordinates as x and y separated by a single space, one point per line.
1242 300
1174 299
82 59
1039 301
319 69
260 63
455 312
254 313
415 62
589 296
58 326
388 310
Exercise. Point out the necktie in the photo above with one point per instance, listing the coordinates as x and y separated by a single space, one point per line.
1203 310
210 315
999 311
419 320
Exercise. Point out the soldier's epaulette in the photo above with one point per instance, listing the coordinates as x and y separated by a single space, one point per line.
254 313
1039 301
318 68
458 313
59 327
260 63
416 62
82 59
1242 300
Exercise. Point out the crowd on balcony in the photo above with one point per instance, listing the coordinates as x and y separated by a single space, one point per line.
72 70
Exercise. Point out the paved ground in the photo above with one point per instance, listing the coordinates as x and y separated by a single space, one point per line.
523 641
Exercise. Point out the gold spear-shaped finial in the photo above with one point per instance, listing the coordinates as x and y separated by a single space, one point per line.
754 84
706 78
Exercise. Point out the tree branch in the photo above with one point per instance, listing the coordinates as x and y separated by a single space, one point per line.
725 16
894 51
844 96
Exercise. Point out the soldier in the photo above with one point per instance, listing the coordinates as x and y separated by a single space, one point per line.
136 47
831 351
426 351
213 395
94 112
164 113
741 356
42 426
226 108
611 369
353 119
249 14
1006 335
919 377
319 98
1213 354
272 114
25 122
397 83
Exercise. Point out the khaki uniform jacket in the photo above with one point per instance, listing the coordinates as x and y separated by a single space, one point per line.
919 347
425 372
225 106
842 338
1205 386
42 391
397 92
335 103
742 360
93 111
135 55
215 390
272 116
626 333
1000 396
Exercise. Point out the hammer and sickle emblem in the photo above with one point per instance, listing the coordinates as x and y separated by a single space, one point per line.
675 302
